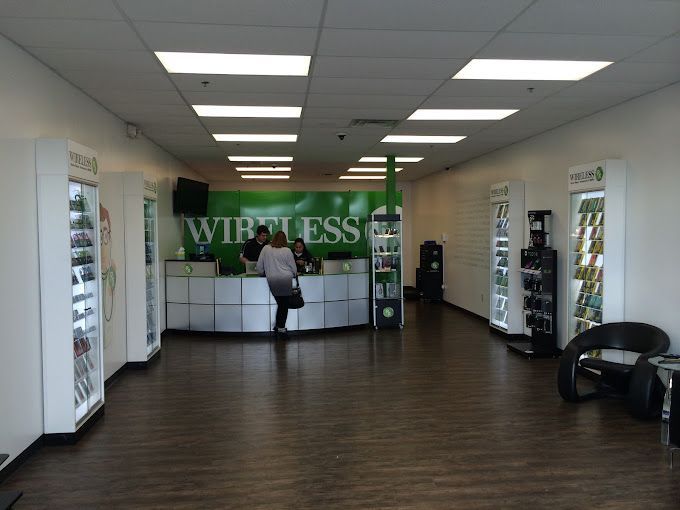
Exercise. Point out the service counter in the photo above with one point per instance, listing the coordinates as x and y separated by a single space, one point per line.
197 300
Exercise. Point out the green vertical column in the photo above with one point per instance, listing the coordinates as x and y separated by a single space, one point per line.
391 186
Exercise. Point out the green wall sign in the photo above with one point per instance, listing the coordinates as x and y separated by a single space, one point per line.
327 221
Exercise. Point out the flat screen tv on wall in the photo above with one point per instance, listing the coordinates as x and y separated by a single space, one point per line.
191 197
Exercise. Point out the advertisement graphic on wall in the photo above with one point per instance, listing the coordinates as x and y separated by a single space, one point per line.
327 221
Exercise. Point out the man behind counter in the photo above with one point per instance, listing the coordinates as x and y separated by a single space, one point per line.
250 251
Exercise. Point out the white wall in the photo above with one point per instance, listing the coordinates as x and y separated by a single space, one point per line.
643 131
37 103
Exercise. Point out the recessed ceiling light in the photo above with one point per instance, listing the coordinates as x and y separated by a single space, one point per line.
421 139
254 138
383 159
234 63
263 176
462 114
263 169
368 169
501 69
260 158
362 177
211 110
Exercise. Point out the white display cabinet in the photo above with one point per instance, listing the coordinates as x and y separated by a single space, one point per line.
597 241
507 237
141 268
70 290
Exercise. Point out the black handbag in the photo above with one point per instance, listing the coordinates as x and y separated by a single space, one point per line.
295 301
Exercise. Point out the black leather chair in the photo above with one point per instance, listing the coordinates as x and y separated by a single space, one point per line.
638 383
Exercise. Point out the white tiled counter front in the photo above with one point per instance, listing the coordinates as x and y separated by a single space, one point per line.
198 301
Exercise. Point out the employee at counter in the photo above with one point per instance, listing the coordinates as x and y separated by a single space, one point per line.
301 255
250 251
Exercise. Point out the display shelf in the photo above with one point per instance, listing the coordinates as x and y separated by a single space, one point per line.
386 292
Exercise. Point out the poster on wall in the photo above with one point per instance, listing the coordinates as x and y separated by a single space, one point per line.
327 221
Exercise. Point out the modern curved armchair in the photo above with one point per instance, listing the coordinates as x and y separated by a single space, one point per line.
637 383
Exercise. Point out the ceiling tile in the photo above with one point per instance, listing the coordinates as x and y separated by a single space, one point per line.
394 87
132 112
464 128
366 67
74 9
98 60
225 125
498 88
104 80
148 97
393 43
625 17
589 88
480 15
241 84
667 50
291 13
182 140
243 98
71 33
639 72
227 39
363 101
565 46
454 102
171 125
356 113
161 130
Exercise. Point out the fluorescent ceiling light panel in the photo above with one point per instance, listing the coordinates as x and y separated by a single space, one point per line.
283 112
362 177
261 158
234 63
464 114
263 176
501 69
368 169
254 138
383 159
421 139
263 169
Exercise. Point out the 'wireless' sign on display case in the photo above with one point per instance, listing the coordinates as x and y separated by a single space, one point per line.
327 221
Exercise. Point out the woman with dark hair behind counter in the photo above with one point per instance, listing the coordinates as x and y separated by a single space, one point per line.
301 255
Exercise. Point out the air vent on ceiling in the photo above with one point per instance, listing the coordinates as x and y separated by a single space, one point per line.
373 123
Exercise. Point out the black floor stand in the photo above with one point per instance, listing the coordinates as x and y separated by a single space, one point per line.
7 499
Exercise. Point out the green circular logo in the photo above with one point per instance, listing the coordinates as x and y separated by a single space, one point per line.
346 267
435 265
599 173
95 166
505 190
388 312
188 269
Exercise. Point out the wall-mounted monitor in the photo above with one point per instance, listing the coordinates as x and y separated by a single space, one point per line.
191 197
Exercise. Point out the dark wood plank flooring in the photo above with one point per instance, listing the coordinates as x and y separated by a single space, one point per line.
438 415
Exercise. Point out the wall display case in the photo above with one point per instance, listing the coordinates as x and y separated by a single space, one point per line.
539 287
68 223
507 237
141 261
386 277
597 205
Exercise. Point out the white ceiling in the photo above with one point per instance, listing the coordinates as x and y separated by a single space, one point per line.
371 59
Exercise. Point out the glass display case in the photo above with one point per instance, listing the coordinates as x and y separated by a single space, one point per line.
151 277
507 235
70 287
596 247
85 286
386 290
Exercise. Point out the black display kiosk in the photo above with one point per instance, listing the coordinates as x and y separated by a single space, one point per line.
430 274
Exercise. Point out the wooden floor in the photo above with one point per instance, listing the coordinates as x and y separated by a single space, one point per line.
438 415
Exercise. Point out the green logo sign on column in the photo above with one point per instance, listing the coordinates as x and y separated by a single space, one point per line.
95 166
188 268
388 312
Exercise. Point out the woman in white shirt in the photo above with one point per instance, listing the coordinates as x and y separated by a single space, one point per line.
276 262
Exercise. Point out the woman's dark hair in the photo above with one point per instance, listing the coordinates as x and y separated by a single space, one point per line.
279 240
300 240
